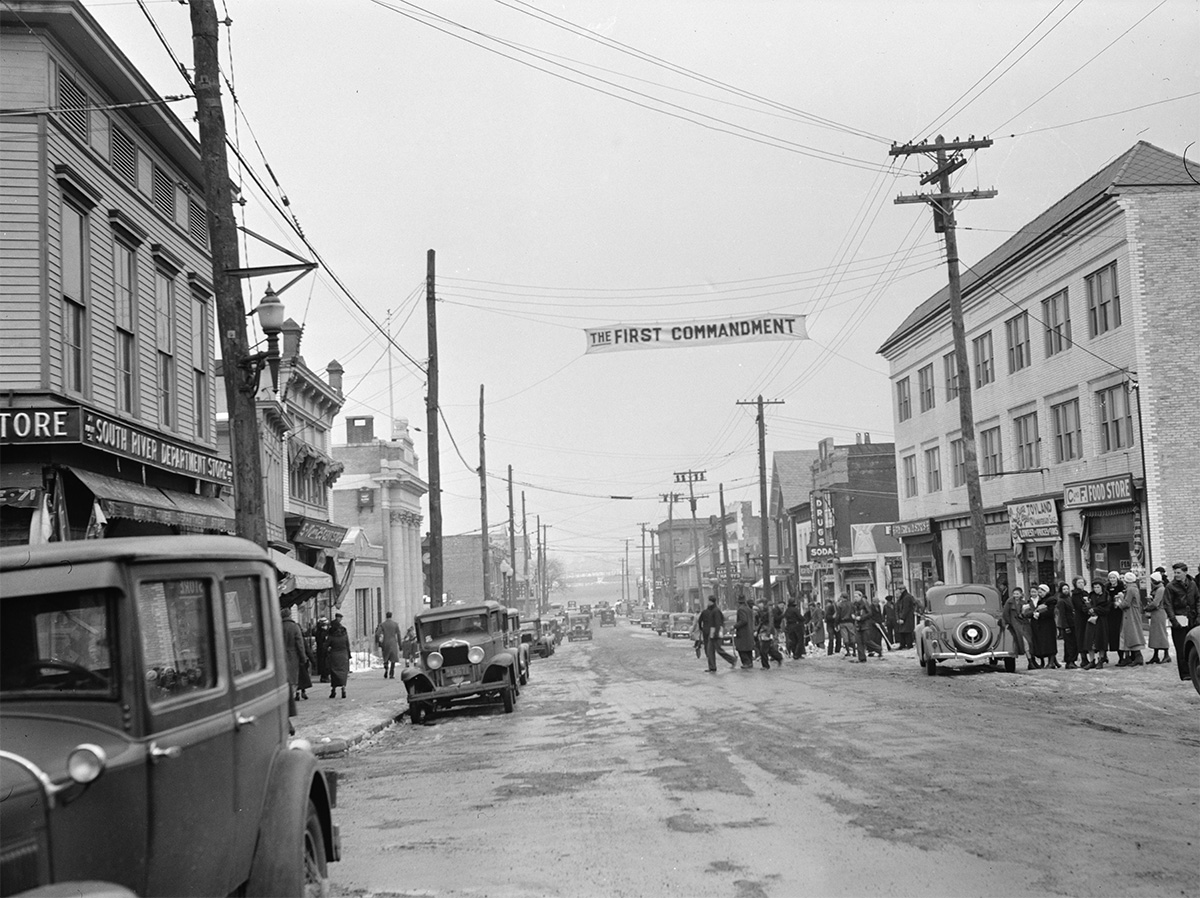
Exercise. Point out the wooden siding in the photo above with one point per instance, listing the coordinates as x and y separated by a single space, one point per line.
24 71
20 256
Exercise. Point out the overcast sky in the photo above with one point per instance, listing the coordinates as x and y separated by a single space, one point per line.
646 161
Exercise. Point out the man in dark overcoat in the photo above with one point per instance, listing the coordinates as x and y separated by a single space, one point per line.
906 622
711 622
743 633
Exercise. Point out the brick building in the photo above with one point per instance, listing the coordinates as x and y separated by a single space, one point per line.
1081 330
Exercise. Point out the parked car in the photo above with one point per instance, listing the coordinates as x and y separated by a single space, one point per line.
579 626
662 622
681 625
608 617
646 622
512 638
1187 657
144 723
962 624
463 655
538 637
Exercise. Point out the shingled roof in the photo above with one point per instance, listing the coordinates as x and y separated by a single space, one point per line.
1143 167
791 476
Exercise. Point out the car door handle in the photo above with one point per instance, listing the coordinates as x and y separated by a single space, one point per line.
243 721
157 753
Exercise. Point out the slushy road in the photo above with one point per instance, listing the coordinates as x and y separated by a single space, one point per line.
628 770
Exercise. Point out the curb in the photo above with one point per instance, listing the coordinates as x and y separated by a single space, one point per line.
337 747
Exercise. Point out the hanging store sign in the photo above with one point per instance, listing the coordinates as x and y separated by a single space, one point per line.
1033 521
823 539
901 529
1101 491
707 332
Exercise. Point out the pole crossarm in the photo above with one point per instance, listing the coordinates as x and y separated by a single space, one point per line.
953 196
971 143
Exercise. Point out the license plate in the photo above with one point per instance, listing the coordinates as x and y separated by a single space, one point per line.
457 670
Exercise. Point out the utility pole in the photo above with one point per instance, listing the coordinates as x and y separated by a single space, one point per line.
762 494
943 203
654 566
671 499
690 478
245 449
524 551
642 590
487 586
433 458
725 547
512 544
625 592
546 564
543 605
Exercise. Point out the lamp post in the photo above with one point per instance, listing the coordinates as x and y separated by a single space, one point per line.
270 313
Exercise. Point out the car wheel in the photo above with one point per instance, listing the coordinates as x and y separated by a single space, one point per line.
414 714
1010 665
508 696
316 873
931 667
1194 669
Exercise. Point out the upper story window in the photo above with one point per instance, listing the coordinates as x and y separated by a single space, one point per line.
197 222
1068 436
73 106
125 303
925 385
950 363
933 469
163 193
1056 315
123 156
903 399
201 362
985 365
1114 418
958 462
990 452
74 249
1025 429
1016 332
910 476
1104 302
164 335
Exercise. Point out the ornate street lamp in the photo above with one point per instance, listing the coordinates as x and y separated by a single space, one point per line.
270 313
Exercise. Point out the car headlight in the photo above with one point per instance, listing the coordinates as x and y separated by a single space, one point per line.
86 762
434 660
475 655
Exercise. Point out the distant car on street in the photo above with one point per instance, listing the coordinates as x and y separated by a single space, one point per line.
579 626
608 617
646 619
681 626
144 724
538 637
662 622
962 624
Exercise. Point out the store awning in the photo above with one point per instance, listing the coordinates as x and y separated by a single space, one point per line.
299 575
758 585
137 502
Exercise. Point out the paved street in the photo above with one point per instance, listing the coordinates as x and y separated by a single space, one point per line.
628 770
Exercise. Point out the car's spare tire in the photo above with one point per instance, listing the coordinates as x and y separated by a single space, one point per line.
972 636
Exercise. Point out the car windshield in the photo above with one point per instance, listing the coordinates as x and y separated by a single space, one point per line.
578 618
453 626
964 601
58 645
682 619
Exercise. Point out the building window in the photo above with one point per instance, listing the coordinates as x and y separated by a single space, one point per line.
958 462
197 222
1116 422
74 287
1025 428
73 106
1068 437
903 400
1056 315
125 302
985 366
950 362
201 327
910 476
925 385
989 446
123 156
933 470
163 193
164 308
1016 331
1104 302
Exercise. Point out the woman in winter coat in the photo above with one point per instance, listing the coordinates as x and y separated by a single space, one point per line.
338 648
1045 645
1064 619
1016 615
1160 632
1100 603
1079 603
1133 638
1116 614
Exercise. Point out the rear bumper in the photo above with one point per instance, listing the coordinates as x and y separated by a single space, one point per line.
981 658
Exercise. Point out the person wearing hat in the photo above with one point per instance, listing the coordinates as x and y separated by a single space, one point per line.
295 655
1042 627
339 656
793 630
1116 614
1132 636
1015 615
743 633
321 637
1184 599
1064 620
711 621
1160 633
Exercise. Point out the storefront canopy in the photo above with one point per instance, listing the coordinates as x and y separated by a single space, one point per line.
299 576
137 502
758 585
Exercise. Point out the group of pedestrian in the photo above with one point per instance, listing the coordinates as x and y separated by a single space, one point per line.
1107 615
323 650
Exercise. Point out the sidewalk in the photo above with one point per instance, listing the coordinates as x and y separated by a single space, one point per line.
371 704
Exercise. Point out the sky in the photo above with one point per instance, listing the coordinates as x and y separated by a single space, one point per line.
600 162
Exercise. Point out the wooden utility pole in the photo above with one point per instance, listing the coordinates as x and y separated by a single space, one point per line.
943 203
512 545
431 432
765 530
725 548
524 551
690 478
546 564
487 586
625 592
642 590
541 598
249 507
655 564
671 499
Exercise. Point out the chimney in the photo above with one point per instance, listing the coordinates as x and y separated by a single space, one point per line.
333 376
858 439
360 430
867 438
291 338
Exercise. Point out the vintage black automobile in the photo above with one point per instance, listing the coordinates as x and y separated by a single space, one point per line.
579 626
144 723
538 637
608 617
463 655
517 645
962 624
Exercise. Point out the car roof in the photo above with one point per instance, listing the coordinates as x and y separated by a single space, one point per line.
131 548
938 592
448 611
